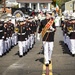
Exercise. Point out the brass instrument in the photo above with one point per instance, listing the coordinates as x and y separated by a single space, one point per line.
70 29
16 30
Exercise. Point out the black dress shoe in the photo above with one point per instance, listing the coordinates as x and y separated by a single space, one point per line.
20 56
73 55
49 62
1 55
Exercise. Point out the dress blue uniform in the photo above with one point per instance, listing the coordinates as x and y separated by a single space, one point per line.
1 39
48 39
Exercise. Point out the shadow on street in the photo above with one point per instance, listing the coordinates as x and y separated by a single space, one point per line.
64 48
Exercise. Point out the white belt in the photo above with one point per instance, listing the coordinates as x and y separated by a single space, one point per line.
72 31
21 34
49 31
1 30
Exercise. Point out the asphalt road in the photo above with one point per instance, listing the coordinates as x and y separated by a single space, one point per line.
63 62
32 63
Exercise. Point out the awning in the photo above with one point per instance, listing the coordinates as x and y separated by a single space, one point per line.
34 1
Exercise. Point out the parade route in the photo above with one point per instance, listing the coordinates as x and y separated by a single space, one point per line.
32 63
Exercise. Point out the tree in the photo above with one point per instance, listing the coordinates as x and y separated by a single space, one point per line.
54 2
0 1
59 2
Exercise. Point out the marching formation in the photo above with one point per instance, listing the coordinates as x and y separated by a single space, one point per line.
22 33
26 31
8 38
68 27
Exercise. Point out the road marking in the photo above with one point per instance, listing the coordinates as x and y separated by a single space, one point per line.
50 69
44 69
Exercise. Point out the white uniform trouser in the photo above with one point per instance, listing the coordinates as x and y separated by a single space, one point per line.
32 40
21 45
1 47
65 39
4 47
26 44
72 46
13 39
48 48
68 42
9 42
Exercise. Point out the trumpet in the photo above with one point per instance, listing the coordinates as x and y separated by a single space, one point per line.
70 29
16 30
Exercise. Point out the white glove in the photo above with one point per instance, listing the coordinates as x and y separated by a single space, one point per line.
25 38
52 28
38 36
2 37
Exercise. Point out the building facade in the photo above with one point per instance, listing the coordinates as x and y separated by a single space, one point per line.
37 5
70 5
8 5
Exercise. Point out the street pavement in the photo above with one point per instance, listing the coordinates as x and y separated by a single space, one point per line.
63 62
32 63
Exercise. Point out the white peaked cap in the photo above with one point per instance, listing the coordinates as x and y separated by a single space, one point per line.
1 19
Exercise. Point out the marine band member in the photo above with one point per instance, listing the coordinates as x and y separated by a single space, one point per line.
48 39
21 38
1 39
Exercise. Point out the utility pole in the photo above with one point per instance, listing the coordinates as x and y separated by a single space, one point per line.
4 11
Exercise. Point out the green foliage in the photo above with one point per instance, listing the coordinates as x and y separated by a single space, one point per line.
0 1
59 2
54 2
